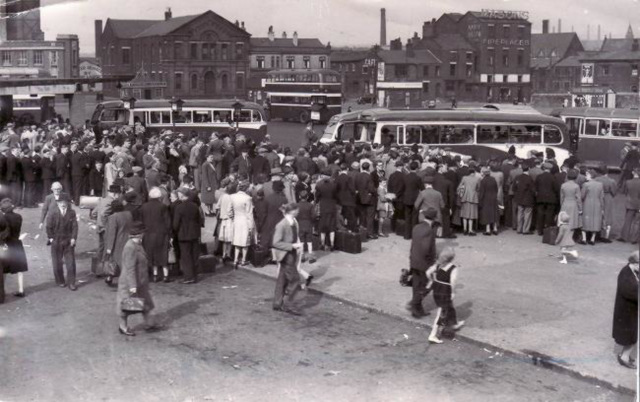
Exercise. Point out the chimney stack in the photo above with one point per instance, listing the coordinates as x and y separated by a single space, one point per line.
98 37
599 34
383 27
295 38
559 25
545 26
167 14
242 26
270 34
588 32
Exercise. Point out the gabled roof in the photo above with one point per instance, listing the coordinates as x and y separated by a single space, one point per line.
592 45
452 42
618 55
454 16
610 44
420 56
348 56
127 29
162 28
287 43
549 42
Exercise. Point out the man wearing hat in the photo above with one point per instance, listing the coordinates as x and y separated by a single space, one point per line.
422 257
242 164
630 162
547 190
80 166
366 196
62 232
346 196
102 213
63 168
187 224
430 199
260 165
137 184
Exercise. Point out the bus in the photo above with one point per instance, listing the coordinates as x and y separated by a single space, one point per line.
201 116
307 95
32 109
602 133
481 133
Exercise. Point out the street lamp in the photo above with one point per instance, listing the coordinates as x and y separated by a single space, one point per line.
176 107
237 108
129 104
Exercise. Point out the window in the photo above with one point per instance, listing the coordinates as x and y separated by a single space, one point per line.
425 87
520 57
624 128
194 81
401 71
306 62
450 86
239 81
239 50
177 50
425 71
491 30
437 71
22 58
113 115
291 62
365 69
54 59
395 132
160 117
452 69
126 55
489 77
438 134
605 70
521 31
225 51
206 54
519 79
202 116
574 125
6 58
469 57
358 131
634 70
37 57
183 117
353 66
177 81
260 62
438 89
505 57
469 70
598 127
194 50
453 55
506 31
508 134
323 62
277 61
552 135
224 82
491 53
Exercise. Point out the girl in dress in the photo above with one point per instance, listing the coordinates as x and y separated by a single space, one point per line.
565 238
443 277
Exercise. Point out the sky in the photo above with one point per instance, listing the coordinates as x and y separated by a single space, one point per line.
340 22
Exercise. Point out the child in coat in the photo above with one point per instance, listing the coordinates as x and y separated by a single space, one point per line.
565 238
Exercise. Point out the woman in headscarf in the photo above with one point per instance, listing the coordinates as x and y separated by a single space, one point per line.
15 260
625 311
134 279
243 223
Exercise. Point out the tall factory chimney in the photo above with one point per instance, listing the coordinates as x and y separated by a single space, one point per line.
559 25
383 27
98 36
545 26
588 32
599 34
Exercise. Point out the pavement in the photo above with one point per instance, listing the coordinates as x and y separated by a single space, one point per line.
514 295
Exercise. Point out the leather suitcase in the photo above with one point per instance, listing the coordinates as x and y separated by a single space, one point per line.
348 242
549 235
401 227
259 256
207 264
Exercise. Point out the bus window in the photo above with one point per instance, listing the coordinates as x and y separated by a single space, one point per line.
413 135
202 116
456 134
155 117
222 116
140 116
114 115
245 116
392 131
256 116
574 124
366 132
346 132
552 135
597 127
493 134
520 134
320 100
624 128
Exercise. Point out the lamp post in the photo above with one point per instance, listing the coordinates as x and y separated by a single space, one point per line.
237 108
129 103
176 107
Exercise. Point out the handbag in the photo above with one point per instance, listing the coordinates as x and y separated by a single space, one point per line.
132 305
406 278
111 268
171 258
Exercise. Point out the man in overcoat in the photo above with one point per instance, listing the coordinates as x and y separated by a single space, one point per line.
421 258
187 223
62 232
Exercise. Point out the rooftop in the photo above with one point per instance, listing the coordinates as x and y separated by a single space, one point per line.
287 43
127 29
419 56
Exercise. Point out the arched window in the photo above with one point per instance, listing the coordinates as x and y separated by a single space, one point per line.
194 81
224 82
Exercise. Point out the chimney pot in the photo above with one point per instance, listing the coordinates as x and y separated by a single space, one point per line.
284 34
167 14
271 34
295 38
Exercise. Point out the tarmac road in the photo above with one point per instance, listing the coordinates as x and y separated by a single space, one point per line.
222 342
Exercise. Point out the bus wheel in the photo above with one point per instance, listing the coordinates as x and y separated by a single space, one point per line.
303 117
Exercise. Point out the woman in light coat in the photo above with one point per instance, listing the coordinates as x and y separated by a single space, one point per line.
208 184
610 188
243 223
115 237
225 217
134 280
592 207
571 201
468 193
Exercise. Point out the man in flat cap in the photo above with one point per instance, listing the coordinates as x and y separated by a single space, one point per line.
547 191
62 232
422 257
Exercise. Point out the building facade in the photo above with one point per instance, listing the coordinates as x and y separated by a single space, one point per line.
271 53
197 56
358 72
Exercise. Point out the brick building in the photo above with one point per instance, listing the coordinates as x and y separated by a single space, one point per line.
555 65
195 56
358 71
294 53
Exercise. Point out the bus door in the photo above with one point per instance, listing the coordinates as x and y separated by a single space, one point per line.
575 126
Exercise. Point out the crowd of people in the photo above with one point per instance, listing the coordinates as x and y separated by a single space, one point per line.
264 196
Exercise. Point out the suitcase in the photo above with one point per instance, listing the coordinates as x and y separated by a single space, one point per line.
259 256
401 227
362 234
88 202
207 264
96 267
348 242
549 235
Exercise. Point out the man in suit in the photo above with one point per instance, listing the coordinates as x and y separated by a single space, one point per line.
261 165
242 164
187 223
102 213
137 184
422 256
63 168
29 173
547 198
48 170
346 194
395 185
442 185
412 187
365 191
62 232
631 190
287 249
430 198
513 174
524 197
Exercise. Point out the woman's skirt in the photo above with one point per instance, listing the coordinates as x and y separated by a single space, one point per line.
469 210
